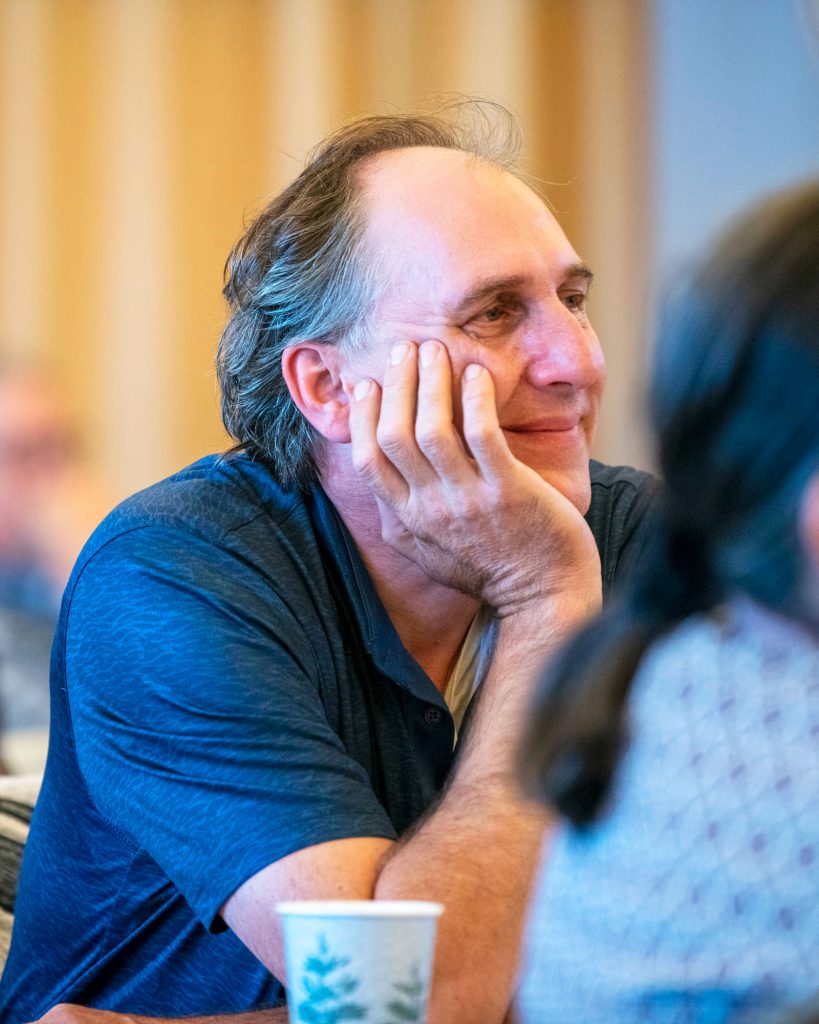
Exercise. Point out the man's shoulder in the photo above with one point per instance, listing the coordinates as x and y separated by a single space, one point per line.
212 498
619 492
618 516
606 478
220 501
217 535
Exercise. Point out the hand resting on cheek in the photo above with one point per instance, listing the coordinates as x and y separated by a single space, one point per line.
463 508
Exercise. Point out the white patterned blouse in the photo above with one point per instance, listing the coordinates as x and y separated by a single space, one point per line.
696 898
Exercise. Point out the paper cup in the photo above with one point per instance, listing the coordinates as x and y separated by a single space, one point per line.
367 960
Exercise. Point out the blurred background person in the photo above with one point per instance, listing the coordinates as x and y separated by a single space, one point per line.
38 465
49 503
678 735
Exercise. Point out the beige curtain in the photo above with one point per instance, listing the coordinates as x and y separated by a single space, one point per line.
136 136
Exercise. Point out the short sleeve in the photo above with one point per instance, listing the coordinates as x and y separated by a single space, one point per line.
195 701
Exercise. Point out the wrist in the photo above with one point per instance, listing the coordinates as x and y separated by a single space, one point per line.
565 583
567 608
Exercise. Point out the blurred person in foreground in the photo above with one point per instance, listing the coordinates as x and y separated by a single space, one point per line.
264 662
48 506
677 736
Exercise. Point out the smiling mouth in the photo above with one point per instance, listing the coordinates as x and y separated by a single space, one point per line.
555 425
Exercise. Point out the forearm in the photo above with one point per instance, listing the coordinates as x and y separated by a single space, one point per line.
477 852
479 862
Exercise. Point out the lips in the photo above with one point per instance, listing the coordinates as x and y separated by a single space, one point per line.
548 425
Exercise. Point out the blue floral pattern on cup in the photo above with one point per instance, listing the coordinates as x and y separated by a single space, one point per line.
330 993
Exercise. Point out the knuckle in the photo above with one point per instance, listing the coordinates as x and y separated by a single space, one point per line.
504 506
392 533
446 516
390 439
364 461
432 515
430 437
479 435
467 510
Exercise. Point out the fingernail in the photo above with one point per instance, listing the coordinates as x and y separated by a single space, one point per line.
362 389
428 352
472 371
399 353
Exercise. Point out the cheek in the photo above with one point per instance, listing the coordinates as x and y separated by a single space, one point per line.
463 351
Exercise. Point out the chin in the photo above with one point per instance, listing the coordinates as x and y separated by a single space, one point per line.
573 484
561 459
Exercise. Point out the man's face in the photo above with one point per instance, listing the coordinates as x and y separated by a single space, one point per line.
474 259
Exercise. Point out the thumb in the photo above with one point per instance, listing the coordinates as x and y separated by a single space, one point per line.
393 530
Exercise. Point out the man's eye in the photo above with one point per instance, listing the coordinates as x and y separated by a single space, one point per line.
495 321
576 301
498 315
493 315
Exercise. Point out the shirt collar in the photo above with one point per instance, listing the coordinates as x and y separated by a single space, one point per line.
375 627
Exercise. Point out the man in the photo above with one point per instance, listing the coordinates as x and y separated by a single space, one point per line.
253 657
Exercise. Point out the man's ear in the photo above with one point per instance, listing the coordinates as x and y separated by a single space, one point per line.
312 372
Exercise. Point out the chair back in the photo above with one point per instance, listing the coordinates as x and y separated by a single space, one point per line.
18 794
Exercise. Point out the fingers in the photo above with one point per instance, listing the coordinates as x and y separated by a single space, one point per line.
481 428
369 461
403 435
415 429
435 431
396 425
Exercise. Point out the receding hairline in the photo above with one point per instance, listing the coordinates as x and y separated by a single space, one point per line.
365 168
377 182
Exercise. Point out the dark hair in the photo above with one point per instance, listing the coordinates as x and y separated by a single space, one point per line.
805 1013
734 399
300 271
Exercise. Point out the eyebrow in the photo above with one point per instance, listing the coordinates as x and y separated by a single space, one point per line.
580 269
495 285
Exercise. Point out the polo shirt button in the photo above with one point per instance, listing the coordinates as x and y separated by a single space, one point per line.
433 716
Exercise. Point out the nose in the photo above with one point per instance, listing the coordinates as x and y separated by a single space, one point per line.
563 349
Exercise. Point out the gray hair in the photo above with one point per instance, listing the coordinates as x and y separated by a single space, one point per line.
300 271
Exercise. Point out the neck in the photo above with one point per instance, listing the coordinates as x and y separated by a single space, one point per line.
430 618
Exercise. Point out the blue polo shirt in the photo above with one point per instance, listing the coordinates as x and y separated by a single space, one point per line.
227 688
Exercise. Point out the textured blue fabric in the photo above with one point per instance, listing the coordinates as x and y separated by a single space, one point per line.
227 688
